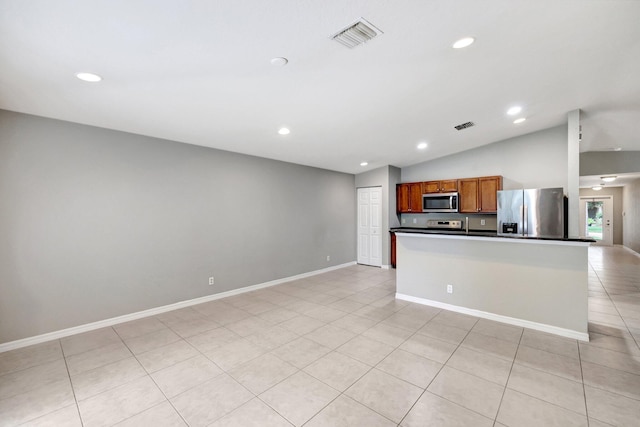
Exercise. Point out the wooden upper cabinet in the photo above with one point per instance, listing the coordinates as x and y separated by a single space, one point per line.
468 195
488 193
479 195
415 194
402 198
409 197
447 186
431 187
476 195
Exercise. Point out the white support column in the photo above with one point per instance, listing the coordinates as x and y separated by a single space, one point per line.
573 172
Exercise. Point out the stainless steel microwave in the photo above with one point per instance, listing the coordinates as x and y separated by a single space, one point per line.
440 202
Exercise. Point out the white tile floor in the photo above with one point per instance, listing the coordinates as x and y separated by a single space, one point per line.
338 350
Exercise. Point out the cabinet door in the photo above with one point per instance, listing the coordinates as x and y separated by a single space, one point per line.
449 186
487 193
415 201
402 198
468 200
431 187
393 250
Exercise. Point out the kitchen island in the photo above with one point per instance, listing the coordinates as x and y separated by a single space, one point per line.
538 283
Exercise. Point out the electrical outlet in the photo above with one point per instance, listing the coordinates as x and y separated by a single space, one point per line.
404 221
483 222
328 258
449 289
415 220
211 281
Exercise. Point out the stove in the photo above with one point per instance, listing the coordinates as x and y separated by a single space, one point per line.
447 224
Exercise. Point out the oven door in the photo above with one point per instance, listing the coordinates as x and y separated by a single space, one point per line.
440 202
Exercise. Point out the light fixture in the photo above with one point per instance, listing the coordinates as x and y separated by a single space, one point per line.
514 110
422 146
609 178
617 149
596 188
88 77
464 42
520 120
279 61
284 131
364 164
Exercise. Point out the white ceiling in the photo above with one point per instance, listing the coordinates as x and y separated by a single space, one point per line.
199 72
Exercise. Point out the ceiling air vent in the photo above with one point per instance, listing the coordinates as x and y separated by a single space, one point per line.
357 33
464 125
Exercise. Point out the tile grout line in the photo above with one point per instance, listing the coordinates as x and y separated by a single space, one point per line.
73 390
584 389
615 306
440 370
506 384
340 393
154 381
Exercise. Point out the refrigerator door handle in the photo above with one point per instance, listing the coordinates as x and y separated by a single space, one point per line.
525 221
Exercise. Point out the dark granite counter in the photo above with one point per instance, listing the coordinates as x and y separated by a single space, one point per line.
484 233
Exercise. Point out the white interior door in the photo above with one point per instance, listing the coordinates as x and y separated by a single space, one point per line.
370 226
596 219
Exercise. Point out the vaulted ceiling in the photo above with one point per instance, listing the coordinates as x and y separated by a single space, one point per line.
199 72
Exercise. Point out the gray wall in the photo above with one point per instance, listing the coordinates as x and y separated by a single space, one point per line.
98 223
395 178
609 162
616 192
631 215
535 160
385 177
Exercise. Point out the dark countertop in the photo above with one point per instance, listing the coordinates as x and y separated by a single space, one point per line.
485 233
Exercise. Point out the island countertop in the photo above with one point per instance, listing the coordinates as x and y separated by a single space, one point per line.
485 233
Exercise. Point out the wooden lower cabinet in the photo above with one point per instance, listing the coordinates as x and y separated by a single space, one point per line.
393 249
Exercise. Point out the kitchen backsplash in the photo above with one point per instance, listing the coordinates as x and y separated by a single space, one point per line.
475 220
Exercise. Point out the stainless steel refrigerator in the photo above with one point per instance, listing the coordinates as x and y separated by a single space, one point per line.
537 212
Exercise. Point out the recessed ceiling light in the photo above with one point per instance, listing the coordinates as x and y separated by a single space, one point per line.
284 131
422 146
89 77
514 110
364 164
596 188
609 178
520 120
464 42
279 61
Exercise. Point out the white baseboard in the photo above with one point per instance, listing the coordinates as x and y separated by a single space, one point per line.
569 333
25 342
630 250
